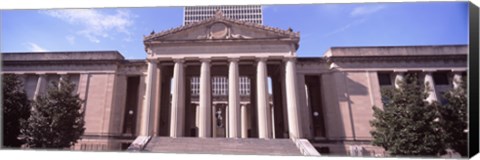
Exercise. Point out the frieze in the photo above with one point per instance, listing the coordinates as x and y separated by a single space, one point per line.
204 49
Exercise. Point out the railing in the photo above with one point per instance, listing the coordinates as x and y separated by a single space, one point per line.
139 143
305 147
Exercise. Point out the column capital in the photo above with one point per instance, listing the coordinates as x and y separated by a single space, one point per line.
152 60
205 60
400 70
16 73
233 59
178 60
459 70
62 73
263 59
429 70
41 73
289 59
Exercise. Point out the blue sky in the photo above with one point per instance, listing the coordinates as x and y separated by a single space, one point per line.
321 26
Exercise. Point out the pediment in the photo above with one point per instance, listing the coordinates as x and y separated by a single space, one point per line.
221 28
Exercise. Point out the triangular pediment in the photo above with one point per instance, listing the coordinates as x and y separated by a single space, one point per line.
221 28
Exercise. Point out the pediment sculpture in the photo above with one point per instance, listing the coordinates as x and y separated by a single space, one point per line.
221 30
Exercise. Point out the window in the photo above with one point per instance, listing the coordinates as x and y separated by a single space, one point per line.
384 79
440 78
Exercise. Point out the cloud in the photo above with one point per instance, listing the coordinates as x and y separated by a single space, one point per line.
70 39
95 24
349 25
366 10
360 15
33 47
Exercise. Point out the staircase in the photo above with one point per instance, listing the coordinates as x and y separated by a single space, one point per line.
223 146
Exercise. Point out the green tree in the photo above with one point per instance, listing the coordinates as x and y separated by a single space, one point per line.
406 125
16 108
453 119
56 120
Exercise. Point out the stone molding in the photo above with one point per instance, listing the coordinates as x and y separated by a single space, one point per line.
423 58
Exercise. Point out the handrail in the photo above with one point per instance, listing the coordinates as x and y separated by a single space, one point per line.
305 147
139 143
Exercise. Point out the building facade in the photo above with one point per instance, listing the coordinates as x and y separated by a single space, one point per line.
209 79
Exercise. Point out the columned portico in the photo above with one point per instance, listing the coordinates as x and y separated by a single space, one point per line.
220 72
237 117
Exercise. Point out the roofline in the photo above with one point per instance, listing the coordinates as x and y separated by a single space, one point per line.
117 53
63 52
393 46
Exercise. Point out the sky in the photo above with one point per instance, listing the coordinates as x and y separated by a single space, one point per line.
321 26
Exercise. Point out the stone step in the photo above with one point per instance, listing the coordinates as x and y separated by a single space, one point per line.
249 146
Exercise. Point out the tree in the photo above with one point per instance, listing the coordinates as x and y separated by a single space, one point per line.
407 125
453 119
56 119
16 108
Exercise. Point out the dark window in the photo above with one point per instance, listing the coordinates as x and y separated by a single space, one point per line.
384 79
130 116
440 78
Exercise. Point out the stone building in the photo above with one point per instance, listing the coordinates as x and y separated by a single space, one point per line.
322 102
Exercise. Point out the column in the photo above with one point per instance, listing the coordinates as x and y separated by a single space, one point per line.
399 77
83 86
157 101
214 121
41 85
63 76
149 98
205 100
226 122
244 121
263 107
272 120
292 100
23 78
233 100
430 87
178 107
197 116
457 79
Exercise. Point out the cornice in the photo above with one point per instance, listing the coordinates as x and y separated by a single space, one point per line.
423 58
62 62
